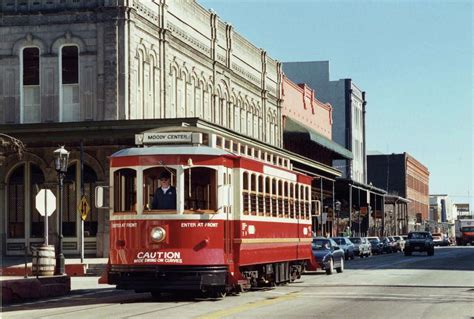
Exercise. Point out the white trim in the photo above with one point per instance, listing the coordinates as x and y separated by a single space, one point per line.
214 217
272 171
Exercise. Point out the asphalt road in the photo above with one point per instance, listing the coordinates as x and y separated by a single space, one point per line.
387 286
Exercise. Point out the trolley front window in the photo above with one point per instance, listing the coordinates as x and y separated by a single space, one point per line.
200 190
125 190
159 189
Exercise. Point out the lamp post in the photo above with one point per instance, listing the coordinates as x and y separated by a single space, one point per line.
61 158
337 208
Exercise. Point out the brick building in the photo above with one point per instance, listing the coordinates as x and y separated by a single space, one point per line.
402 175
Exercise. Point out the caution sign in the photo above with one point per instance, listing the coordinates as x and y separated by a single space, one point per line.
84 208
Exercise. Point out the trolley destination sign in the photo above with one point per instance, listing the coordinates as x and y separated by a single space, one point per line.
168 138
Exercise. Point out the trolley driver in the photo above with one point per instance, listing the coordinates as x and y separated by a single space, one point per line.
165 195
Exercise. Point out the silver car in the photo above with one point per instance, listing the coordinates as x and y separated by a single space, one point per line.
345 244
361 246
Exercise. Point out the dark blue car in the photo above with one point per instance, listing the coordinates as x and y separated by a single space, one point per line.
328 255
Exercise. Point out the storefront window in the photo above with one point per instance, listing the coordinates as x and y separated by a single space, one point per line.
16 203
36 184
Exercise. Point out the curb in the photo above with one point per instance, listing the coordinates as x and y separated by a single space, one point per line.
17 290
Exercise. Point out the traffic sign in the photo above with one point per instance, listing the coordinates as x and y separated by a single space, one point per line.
84 208
45 202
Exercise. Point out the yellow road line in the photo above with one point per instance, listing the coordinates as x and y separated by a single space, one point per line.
248 306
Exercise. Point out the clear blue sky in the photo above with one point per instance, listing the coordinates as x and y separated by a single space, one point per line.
413 58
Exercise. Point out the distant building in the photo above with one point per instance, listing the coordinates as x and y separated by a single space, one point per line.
441 208
361 204
403 175
461 210
307 128
348 103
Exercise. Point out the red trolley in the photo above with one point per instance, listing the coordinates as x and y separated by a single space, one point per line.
242 216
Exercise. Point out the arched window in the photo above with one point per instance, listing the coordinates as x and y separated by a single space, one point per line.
16 203
70 110
36 183
31 93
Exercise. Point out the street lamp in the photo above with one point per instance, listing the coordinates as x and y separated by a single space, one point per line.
61 158
337 208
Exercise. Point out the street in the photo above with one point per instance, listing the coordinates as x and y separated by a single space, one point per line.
386 286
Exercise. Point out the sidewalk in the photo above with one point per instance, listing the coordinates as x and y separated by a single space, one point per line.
15 266
16 288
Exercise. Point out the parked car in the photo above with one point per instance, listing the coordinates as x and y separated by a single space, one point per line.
328 254
387 246
440 239
394 244
346 245
419 241
437 239
361 246
376 245
400 242
446 241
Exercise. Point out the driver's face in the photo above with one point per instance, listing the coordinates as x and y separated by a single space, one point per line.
165 182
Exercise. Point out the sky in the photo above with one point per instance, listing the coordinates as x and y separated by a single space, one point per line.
414 60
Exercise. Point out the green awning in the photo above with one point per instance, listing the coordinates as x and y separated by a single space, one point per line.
292 126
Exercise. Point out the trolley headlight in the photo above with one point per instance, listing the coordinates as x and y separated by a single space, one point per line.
158 234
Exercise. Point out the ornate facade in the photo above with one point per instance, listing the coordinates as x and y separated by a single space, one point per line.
66 65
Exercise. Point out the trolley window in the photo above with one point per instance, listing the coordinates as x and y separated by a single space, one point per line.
159 191
125 190
245 193
200 189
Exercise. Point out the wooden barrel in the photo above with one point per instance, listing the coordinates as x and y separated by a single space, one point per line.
44 260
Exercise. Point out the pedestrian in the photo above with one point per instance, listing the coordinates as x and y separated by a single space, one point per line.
165 195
